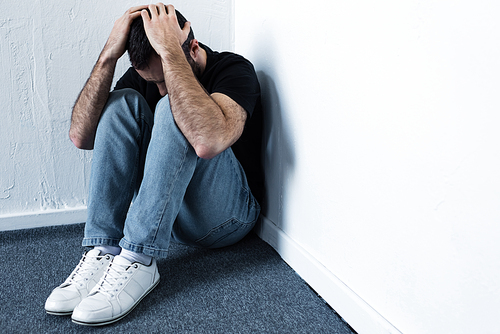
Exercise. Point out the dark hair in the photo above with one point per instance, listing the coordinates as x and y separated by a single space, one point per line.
139 48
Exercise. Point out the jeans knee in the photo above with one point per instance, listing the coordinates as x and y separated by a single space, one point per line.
163 114
128 95
126 103
164 103
122 93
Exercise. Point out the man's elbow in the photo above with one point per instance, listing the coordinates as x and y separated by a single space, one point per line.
205 151
79 142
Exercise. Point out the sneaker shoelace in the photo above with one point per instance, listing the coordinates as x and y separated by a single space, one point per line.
87 266
114 278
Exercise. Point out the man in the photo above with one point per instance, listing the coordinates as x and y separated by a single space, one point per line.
179 138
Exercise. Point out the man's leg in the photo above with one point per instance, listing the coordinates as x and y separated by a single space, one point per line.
121 140
120 148
209 199
218 209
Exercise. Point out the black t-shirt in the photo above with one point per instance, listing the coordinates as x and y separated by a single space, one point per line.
234 76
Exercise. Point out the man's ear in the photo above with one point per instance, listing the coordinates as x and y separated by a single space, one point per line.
194 49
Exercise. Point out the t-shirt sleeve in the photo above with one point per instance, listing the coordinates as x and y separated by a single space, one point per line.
238 80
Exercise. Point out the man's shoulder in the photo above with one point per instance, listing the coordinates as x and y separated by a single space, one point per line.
223 59
231 58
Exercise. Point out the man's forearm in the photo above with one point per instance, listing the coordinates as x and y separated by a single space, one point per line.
90 103
198 116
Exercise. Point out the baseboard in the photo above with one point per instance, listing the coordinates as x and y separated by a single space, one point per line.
43 218
352 308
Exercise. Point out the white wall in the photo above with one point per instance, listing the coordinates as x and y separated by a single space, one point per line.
383 151
47 50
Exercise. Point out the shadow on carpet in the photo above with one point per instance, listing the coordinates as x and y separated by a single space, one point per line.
245 288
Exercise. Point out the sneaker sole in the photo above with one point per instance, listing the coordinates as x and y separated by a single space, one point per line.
59 313
120 316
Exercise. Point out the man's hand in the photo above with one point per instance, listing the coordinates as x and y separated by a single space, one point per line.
162 28
115 46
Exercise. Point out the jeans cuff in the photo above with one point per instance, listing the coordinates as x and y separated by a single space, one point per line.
99 241
156 253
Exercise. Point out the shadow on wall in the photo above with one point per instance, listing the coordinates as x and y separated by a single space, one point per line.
279 159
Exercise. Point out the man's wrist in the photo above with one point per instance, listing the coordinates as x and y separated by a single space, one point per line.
172 54
108 57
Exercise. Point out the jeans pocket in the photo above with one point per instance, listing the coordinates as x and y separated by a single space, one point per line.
226 234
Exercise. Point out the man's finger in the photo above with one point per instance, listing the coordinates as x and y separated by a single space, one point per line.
154 10
145 15
137 8
187 26
171 10
135 15
161 8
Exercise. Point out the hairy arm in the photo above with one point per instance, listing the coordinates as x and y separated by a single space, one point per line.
90 103
211 123
92 99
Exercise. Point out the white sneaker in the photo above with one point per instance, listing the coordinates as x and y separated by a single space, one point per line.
121 288
77 286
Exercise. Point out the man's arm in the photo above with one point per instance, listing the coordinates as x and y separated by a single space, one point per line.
211 123
92 99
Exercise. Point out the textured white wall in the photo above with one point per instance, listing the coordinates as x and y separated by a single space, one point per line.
47 50
383 158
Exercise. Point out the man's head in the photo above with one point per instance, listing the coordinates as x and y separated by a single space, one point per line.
139 48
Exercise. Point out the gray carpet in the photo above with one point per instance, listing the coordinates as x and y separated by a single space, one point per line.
245 288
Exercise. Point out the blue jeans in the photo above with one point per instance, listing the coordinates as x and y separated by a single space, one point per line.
148 186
